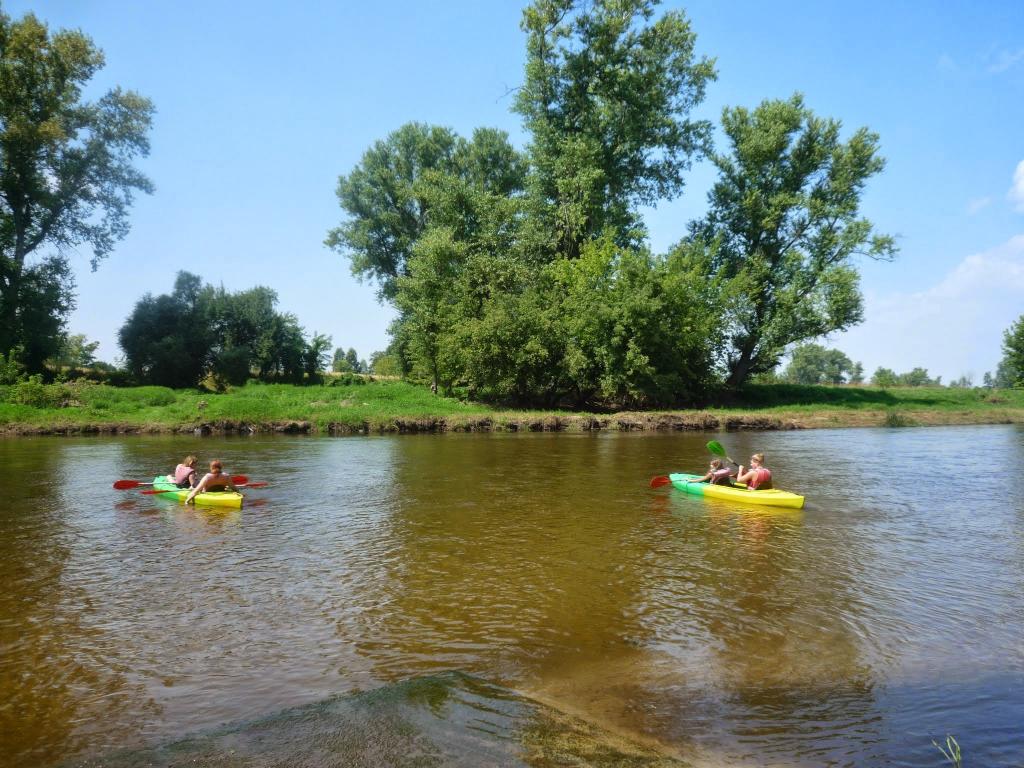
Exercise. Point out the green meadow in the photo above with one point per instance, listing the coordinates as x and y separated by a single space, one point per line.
353 404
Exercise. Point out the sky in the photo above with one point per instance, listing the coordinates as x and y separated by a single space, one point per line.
261 106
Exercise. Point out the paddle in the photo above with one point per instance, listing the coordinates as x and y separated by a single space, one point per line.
716 448
713 446
124 485
175 490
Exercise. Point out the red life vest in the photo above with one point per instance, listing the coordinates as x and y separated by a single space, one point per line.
762 476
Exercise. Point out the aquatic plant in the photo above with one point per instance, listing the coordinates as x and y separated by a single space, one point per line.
951 751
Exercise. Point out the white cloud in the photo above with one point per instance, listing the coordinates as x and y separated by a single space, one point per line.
1006 59
1016 193
977 204
952 327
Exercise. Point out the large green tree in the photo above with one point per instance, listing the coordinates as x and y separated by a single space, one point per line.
66 175
784 220
607 101
389 198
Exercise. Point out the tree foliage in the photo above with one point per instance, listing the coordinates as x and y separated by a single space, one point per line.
177 340
607 101
918 377
814 364
784 221
525 277
66 175
1011 368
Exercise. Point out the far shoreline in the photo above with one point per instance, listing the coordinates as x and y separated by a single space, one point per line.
538 421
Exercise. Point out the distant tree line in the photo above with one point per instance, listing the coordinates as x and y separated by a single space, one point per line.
197 331
525 276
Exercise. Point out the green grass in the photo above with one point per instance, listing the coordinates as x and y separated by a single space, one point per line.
353 404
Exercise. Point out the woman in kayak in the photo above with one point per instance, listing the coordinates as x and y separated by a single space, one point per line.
718 474
185 475
758 477
214 480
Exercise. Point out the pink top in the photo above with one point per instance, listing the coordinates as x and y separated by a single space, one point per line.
183 473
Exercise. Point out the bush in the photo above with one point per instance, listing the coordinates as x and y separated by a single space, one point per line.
32 392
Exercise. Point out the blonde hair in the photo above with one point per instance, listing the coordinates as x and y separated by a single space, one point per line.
189 460
759 457
716 463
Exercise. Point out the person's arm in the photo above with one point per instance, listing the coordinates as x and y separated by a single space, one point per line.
704 479
198 489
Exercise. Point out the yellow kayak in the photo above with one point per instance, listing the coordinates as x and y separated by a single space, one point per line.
231 499
769 498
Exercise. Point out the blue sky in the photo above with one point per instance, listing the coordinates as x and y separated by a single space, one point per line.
260 106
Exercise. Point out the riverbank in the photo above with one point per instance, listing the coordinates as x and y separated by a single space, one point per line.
355 406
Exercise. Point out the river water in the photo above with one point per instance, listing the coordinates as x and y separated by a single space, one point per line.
887 613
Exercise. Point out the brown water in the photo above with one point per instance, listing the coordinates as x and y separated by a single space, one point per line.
887 613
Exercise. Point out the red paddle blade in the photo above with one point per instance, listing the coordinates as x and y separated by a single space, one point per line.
239 479
124 485
151 492
254 485
660 480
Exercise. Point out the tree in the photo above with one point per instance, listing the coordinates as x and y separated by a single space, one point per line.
964 382
784 220
1011 368
987 381
76 352
66 174
353 361
918 377
317 356
606 101
167 339
814 364
884 377
857 374
386 196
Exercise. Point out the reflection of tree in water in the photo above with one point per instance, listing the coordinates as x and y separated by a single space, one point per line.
64 678
497 565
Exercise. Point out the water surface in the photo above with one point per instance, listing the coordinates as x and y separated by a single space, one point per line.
887 613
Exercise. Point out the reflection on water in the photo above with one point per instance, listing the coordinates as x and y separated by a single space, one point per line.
886 613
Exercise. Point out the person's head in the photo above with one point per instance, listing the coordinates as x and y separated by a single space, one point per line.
716 463
190 461
757 458
216 467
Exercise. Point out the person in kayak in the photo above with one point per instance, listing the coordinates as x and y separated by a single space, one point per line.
185 475
758 477
214 480
718 473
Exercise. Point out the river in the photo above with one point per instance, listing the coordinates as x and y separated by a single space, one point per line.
887 613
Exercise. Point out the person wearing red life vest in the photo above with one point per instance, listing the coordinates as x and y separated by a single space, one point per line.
718 473
758 477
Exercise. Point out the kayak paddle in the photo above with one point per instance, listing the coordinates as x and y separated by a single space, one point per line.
660 480
124 485
716 448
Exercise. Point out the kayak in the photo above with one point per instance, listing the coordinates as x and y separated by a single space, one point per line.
231 499
769 498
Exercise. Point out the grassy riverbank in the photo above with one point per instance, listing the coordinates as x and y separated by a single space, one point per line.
351 405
